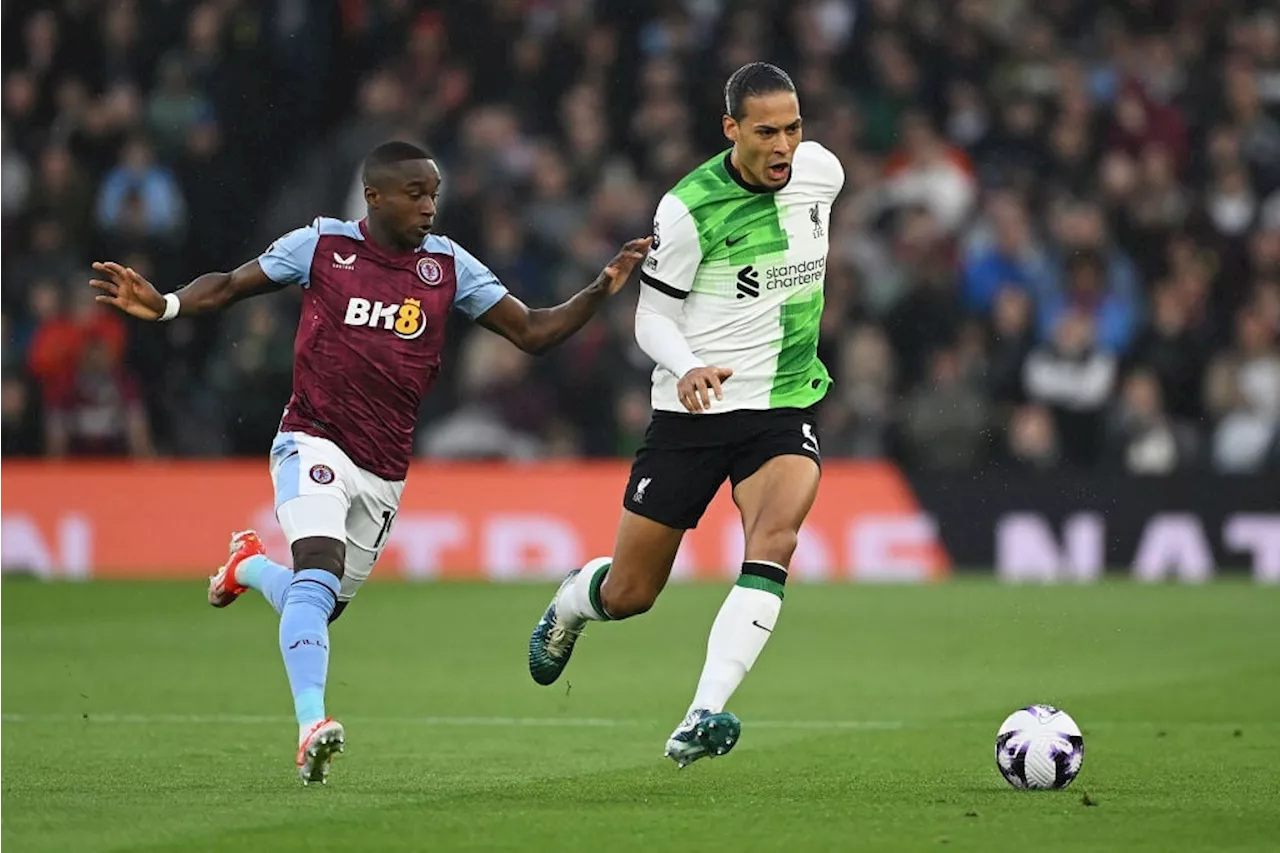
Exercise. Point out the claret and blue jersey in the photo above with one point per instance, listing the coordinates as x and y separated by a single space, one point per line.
371 333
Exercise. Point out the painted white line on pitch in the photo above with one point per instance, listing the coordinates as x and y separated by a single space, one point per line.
249 719
459 722
867 725
588 722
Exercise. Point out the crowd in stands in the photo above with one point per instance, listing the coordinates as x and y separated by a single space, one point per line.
1058 242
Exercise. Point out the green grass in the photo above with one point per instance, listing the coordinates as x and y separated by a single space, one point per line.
1177 690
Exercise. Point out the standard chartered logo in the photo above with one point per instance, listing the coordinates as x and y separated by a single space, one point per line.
780 277
795 275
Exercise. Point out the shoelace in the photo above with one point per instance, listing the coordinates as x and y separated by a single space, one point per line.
559 638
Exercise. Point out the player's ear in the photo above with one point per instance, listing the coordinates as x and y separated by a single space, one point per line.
730 127
371 196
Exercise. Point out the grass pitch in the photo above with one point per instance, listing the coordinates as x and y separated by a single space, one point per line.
137 718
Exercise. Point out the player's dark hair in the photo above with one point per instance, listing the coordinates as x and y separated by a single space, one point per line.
752 79
389 154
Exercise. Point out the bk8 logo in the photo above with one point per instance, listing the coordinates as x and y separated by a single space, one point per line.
405 320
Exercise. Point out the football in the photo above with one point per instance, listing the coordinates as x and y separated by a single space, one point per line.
1039 746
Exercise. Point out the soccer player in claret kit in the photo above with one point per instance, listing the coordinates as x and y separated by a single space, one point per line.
730 306
376 296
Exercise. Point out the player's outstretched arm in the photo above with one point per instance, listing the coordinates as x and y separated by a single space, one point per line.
536 330
123 288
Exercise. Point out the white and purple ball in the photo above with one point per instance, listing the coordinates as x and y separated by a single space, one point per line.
1039 747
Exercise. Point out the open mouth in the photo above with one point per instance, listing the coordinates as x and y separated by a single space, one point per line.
779 171
424 229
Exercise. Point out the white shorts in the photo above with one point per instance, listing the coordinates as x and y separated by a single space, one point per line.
321 492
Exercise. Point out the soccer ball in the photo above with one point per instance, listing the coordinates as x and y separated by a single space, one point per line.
1039 747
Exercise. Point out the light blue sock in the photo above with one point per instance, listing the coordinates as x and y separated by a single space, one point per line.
270 579
304 639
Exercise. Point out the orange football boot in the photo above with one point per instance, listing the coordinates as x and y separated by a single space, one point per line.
317 748
223 588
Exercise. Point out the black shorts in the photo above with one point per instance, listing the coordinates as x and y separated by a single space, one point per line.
685 458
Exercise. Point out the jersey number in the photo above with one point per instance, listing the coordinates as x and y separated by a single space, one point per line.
388 516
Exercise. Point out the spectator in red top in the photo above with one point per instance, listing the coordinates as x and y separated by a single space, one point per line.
63 331
97 411
929 172
1140 122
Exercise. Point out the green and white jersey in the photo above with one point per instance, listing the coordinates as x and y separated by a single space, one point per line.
749 265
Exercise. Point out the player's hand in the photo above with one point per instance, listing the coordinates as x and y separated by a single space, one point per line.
618 270
697 386
128 291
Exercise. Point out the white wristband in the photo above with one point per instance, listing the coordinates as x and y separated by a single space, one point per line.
171 306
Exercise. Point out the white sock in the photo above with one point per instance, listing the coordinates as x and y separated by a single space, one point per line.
742 627
579 602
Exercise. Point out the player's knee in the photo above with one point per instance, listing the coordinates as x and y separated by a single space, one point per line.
622 600
775 544
320 552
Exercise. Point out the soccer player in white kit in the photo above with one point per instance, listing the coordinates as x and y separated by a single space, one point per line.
730 308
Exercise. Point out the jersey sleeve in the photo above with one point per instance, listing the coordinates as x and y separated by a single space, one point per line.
658 332
832 172
676 251
288 259
478 288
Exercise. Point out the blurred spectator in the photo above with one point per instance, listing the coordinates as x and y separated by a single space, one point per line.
47 256
15 179
929 313
1094 277
1031 440
1157 207
96 410
1143 438
62 190
40 39
1140 124
1084 291
506 414
633 419
892 87
1230 206
858 416
123 56
20 101
1069 168
1074 378
174 108
1172 350
1005 254
20 417
1013 337
968 120
140 200
944 423
216 195
64 328
1014 154
1259 129
1242 393
554 212
254 367
929 172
